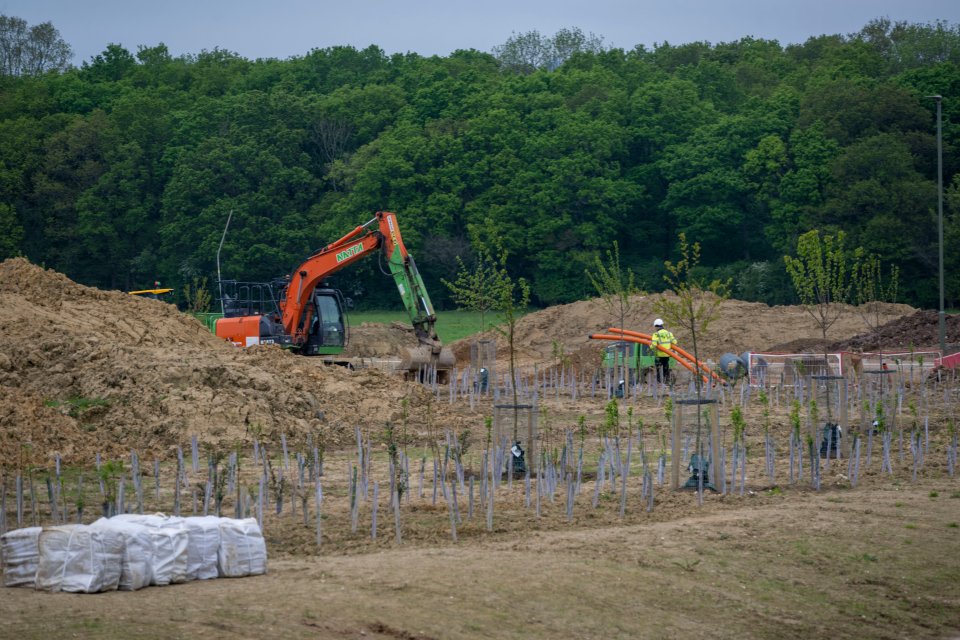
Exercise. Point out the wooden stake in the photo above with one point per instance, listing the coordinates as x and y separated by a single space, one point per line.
195 453
156 478
176 486
260 491
470 501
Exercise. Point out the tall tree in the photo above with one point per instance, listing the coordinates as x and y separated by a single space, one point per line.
12 232
31 51
530 51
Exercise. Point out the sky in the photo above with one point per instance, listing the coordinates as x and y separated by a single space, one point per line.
286 28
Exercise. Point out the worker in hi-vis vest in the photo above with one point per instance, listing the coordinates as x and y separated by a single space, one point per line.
662 340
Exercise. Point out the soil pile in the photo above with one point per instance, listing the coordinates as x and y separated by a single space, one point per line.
918 331
376 340
740 326
85 370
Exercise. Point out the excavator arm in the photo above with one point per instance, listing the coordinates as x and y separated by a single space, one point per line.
409 284
380 233
295 306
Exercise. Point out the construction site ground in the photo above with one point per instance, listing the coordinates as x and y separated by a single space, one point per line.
86 372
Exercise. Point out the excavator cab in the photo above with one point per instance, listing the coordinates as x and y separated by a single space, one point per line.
328 326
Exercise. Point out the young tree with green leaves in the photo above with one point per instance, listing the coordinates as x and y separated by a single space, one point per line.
695 306
489 287
871 290
821 278
478 289
615 286
514 296
197 295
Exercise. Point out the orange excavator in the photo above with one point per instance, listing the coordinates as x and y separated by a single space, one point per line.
308 317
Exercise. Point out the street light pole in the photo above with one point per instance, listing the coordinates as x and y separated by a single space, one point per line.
942 326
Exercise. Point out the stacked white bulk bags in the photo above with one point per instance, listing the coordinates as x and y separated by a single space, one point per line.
131 551
243 551
19 556
79 558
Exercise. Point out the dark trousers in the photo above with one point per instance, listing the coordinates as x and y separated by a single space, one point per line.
663 369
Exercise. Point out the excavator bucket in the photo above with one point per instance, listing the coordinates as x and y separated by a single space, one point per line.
422 359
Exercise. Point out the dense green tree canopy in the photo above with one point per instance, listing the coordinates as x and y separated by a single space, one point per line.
123 171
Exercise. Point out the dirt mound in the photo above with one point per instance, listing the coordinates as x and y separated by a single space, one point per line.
84 370
801 345
740 326
376 340
918 331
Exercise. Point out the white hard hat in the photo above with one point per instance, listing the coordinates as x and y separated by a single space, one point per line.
658 322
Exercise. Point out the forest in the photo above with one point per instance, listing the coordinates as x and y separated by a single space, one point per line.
122 171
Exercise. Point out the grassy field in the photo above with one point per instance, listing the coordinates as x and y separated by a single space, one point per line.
451 325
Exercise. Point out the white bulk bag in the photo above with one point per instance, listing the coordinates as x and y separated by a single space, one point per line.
79 558
136 570
170 544
243 551
204 545
19 556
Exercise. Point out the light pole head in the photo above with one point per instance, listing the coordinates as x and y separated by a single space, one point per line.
937 97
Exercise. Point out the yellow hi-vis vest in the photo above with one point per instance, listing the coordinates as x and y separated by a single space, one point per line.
663 339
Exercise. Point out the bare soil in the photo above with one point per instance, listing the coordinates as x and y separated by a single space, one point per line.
378 340
84 371
113 372
917 331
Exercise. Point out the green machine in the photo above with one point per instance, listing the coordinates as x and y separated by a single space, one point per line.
638 358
